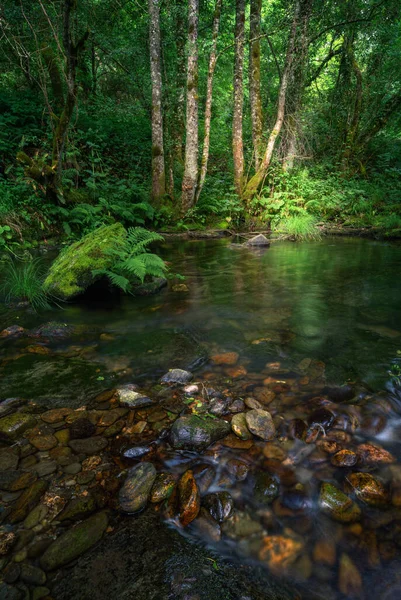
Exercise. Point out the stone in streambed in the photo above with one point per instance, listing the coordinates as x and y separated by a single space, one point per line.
74 542
239 426
259 241
13 426
12 481
260 423
27 501
188 498
321 416
78 508
220 505
226 359
266 488
55 415
129 397
162 487
9 458
370 454
349 578
280 552
194 433
9 592
368 489
135 492
32 575
88 446
82 428
338 505
178 376
344 458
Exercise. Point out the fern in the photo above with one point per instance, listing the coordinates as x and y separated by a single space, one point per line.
133 261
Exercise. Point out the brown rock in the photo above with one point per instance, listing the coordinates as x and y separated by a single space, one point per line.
369 454
162 487
264 395
367 488
232 441
189 498
349 578
344 458
280 551
28 500
44 442
228 358
236 372
239 426
324 552
55 415
260 423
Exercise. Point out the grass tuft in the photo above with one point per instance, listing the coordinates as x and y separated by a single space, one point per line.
300 227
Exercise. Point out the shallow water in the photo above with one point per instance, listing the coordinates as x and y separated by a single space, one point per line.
301 317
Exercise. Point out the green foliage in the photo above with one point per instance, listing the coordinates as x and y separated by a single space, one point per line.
23 281
301 227
131 260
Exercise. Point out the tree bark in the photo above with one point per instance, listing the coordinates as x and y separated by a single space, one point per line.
191 130
254 80
355 110
179 125
72 52
296 87
253 184
238 86
158 167
209 98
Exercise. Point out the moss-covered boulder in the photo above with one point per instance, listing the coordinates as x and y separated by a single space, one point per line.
71 272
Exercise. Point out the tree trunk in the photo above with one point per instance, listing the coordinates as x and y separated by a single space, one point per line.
158 168
191 130
253 184
72 52
209 98
254 80
179 118
355 110
238 146
296 87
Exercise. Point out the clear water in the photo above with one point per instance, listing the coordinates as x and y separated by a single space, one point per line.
336 301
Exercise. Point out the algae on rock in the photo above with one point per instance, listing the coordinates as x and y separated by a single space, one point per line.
72 272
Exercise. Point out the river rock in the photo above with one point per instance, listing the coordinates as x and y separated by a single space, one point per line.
260 423
131 398
349 578
9 458
78 508
88 446
259 241
370 454
43 442
344 458
162 487
338 394
239 426
194 433
338 505
135 492
74 542
55 415
188 498
9 592
220 505
321 416
241 525
368 488
12 331
32 575
266 488
227 358
28 500
12 481
13 426
280 552
178 376
82 428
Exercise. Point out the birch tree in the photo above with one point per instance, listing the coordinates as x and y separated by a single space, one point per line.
254 80
238 86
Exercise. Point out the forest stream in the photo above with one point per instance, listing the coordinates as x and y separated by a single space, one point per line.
236 435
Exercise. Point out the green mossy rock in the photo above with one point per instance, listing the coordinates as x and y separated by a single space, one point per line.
191 432
74 542
71 272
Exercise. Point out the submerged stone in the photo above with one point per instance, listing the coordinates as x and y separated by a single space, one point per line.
28 500
220 505
177 376
227 358
266 488
135 492
260 423
280 552
13 426
338 505
130 398
349 578
162 487
188 498
88 445
368 488
195 433
239 426
74 542
72 271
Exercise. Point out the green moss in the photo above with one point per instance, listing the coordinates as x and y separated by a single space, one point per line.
71 272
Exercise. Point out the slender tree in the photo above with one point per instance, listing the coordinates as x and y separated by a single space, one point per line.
209 98
254 80
238 86
191 129
158 168
253 184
